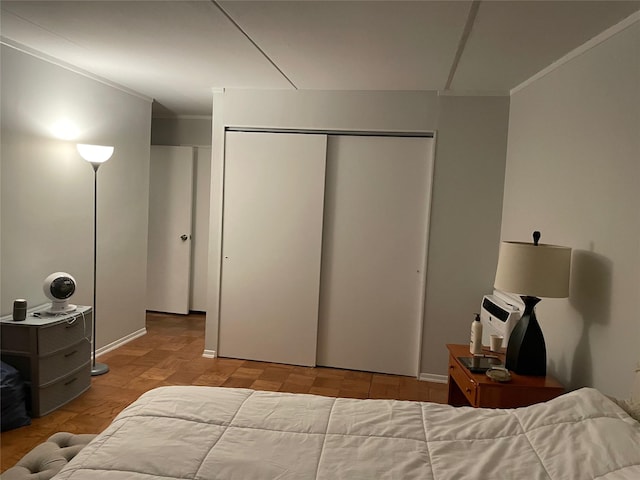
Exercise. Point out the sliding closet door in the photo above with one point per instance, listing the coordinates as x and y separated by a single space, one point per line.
272 240
376 213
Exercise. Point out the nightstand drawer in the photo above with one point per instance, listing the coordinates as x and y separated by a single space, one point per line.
62 391
63 362
467 386
53 338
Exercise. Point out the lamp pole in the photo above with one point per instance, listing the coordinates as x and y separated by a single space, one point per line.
96 368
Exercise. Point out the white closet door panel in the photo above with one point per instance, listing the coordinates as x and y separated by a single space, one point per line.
374 254
272 241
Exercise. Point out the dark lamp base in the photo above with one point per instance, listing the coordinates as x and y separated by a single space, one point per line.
99 369
526 350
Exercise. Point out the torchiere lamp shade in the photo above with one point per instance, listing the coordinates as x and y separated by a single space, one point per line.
531 270
95 154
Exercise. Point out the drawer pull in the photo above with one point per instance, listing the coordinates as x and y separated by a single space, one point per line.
71 381
451 367
468 390
67 355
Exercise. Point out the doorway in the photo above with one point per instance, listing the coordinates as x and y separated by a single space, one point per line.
179 203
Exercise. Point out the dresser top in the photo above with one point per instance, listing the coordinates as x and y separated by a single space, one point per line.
37 317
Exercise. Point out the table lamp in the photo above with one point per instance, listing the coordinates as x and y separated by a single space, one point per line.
531 270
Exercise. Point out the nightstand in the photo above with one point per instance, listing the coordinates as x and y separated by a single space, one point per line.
52 354
478 390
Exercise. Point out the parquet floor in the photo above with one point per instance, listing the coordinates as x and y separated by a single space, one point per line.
171 354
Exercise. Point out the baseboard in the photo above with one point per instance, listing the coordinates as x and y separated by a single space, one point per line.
424 377
121 342
432 377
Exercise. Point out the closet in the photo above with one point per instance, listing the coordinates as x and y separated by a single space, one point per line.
324 248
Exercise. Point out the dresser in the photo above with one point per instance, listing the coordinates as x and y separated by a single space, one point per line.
52 354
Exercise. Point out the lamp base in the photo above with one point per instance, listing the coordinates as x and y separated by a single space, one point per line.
99 369
526 350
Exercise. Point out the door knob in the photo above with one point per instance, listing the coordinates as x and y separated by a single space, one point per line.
184 237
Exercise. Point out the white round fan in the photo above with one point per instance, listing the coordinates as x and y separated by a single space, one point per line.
59 287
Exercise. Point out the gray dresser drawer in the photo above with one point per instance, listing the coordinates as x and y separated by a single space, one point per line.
62 391
60 364
56 337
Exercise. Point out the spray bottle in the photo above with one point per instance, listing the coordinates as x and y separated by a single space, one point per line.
475 346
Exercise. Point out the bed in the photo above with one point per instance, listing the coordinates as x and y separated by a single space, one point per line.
225 433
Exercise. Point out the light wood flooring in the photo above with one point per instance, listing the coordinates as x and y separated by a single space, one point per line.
171 354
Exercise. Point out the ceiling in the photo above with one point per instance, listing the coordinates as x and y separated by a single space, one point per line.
177 51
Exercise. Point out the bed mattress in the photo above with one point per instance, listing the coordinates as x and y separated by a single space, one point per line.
224 433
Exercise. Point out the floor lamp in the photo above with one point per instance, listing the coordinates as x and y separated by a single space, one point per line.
96 155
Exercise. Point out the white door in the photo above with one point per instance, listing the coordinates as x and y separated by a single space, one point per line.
272 234
169 247
375 224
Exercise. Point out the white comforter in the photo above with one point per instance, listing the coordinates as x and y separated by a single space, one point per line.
223 433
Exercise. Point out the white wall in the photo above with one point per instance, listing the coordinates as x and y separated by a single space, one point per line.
573 172
470 153
181 131
200 229
465 220
47 191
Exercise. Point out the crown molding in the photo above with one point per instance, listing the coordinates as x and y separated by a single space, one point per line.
167 116
72 68
585 47
473 93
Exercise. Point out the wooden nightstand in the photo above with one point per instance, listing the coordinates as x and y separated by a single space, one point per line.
478 390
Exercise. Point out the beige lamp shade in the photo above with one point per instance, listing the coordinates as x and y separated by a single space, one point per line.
534 270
